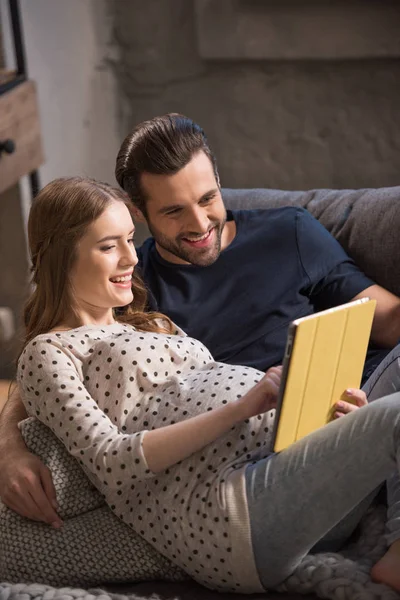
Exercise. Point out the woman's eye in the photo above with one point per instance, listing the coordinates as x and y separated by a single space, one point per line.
130 241
105 248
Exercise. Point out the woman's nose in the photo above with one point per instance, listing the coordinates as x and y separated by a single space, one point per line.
129 256
133 257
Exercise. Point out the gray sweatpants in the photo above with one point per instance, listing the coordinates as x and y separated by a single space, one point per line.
312 495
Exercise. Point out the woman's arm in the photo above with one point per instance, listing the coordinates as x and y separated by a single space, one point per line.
168 445
54 391
60 400
26 485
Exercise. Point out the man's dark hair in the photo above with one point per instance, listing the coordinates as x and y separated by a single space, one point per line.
160 146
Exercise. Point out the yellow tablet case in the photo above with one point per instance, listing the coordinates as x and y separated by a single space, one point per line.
325 355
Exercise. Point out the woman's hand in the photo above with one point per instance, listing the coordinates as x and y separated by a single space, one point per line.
264 395
165 446
357 399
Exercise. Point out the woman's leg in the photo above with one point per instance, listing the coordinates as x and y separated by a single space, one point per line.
336 538
299 495
388 567
393 515
385 379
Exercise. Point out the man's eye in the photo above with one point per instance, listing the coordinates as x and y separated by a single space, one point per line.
207 200
130 240
173 212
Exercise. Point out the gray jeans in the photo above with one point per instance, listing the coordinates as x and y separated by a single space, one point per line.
312 495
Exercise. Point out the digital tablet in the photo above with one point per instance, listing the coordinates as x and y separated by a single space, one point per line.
325 354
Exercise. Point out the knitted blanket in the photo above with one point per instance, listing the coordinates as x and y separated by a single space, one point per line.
94 548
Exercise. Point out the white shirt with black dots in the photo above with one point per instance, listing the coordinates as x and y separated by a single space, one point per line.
101 389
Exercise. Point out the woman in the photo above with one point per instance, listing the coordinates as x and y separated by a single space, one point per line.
180 444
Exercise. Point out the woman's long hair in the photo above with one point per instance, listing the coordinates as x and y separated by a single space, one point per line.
60 216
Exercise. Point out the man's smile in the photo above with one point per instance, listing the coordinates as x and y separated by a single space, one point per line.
201 242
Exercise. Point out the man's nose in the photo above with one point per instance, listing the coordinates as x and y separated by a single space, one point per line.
198 221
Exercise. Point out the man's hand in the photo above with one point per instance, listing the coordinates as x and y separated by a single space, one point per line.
357 398
26 487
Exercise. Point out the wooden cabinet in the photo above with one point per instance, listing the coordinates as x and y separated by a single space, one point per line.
19 125
21 154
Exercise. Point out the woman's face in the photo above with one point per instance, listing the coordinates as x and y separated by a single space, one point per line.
101 276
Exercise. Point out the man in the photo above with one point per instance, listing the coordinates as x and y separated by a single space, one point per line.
234 280
275 265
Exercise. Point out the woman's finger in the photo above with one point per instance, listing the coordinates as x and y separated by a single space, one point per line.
274 378
338 414
345 407
358 397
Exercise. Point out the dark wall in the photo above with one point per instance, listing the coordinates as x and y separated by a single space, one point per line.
292 123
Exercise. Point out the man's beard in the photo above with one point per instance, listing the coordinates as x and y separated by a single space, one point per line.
201 257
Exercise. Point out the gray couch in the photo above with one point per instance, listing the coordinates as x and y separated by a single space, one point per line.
365 223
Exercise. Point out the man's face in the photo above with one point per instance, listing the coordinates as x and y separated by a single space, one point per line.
185 213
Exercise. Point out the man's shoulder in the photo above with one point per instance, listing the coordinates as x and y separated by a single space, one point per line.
268 214
266 221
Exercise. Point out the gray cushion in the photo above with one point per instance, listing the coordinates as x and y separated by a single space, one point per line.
92 548
95 548
365 222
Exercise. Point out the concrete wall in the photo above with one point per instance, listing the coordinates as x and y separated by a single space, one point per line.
67 52
287 123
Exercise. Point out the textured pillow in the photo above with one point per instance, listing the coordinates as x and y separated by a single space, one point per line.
365 222
92 548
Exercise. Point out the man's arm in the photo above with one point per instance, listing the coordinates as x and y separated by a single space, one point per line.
10 436
334 279
386 324
25 483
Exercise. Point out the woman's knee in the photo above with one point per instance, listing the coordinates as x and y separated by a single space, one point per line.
386 378
388 402
385 412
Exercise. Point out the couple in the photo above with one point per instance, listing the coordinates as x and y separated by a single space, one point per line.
178 443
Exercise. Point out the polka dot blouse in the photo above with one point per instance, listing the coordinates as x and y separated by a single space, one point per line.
101 389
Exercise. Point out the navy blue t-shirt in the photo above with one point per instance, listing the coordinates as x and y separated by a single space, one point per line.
281 265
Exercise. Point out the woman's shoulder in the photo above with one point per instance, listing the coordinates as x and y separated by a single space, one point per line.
41 346
84 331
75 340
38 342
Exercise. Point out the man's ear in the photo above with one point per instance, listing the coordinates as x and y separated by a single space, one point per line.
138 215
